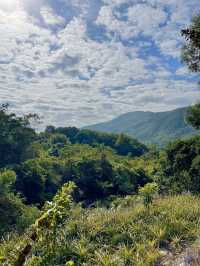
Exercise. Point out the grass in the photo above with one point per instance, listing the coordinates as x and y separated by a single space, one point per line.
127 234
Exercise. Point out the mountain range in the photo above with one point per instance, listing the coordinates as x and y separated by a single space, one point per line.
150 127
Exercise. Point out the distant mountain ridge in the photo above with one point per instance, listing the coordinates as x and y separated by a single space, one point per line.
150 127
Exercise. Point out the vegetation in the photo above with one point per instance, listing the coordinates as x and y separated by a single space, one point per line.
78 197
14 214
193 115
190 52
122 144
148 192
191 56
115 215
15 137
180 167
150 128
127 234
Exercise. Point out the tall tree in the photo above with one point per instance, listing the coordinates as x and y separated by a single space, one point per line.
15 137
191 56
30 181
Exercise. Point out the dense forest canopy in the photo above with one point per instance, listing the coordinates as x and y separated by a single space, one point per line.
122 144
101 165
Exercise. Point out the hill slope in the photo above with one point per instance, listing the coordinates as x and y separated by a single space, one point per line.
149 127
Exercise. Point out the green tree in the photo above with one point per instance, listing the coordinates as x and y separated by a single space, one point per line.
14 214
148 192
191 56
193 116
180 166
59 139
191 50
30 182
7 179
126 145
127 181
15 137
89 176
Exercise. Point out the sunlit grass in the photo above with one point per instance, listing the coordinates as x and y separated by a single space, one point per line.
131 235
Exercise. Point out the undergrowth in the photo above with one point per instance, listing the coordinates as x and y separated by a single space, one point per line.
123 235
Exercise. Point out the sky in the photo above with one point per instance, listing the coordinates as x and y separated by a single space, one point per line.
79 62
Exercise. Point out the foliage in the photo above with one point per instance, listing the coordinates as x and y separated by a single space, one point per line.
193 116
148 192
14 214
191 51
7 179
180 167
191 56
97 172
148 127
31 181
122 144
15 137
97 179
130 235
56 211
45 227
108 224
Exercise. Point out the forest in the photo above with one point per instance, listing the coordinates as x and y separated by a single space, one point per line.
72 196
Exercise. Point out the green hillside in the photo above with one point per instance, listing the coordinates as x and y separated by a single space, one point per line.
71 197
149 127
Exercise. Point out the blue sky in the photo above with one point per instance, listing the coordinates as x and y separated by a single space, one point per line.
79 62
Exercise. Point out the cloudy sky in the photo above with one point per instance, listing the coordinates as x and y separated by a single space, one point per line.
78 62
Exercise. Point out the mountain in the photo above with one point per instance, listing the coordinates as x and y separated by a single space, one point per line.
150 127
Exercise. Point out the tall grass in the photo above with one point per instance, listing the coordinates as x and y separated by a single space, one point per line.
124 235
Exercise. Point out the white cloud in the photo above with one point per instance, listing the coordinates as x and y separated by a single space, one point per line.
141 18
50 18
146 18
9 5
72 79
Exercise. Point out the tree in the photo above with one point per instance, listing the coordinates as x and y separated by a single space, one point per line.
127 181
8 204
122 144
191 56
193 116
126 145
148 192
7 179
69 132
88 178
30 182
15 137
191 50
180 166
14 214
50 130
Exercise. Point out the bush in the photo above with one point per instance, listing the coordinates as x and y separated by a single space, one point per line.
148 192
14 214
181 166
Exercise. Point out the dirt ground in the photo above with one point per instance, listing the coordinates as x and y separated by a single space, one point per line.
190 257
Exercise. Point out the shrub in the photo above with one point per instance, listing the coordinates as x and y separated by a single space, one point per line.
148 192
